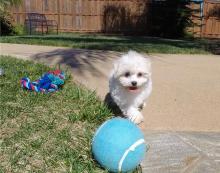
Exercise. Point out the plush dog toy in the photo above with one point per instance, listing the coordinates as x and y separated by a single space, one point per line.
49 82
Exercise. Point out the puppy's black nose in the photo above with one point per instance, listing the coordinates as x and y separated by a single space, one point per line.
134 83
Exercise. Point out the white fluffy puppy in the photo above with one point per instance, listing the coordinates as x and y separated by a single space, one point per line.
130 84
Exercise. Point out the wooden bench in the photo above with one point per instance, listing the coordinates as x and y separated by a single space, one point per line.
37 20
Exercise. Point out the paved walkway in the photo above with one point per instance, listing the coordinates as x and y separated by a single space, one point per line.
186 88
186 97
182 152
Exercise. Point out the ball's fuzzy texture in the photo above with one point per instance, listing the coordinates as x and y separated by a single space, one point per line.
118 145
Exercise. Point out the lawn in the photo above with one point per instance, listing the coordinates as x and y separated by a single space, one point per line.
46 132
119 43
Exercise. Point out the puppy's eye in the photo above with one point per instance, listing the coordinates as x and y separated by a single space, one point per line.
127 74
140 74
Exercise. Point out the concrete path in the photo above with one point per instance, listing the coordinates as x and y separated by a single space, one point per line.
186 97
186 88
182 152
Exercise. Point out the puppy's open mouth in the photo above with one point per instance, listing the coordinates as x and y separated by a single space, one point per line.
132 88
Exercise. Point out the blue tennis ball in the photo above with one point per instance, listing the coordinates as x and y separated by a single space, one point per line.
118 145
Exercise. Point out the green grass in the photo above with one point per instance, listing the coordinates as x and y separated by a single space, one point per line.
46 132
119 43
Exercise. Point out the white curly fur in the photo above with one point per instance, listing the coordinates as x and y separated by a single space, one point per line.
131 67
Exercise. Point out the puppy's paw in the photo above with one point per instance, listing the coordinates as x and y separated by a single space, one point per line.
135 116
138 119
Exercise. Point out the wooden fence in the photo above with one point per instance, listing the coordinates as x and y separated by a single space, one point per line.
112 15
211 19
77 15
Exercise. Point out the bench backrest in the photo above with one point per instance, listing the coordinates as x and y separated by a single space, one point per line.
36 17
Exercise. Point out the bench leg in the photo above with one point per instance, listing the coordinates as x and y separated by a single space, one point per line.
30 28
42 29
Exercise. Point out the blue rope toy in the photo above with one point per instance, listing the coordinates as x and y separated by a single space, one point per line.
49 82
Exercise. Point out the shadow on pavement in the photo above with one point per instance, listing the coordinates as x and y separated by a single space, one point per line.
80 60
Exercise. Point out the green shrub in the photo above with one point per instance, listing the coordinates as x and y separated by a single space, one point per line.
6 19
6 26
170 18
19 30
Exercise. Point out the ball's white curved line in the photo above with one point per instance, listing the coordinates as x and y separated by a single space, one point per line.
131 148
99 130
